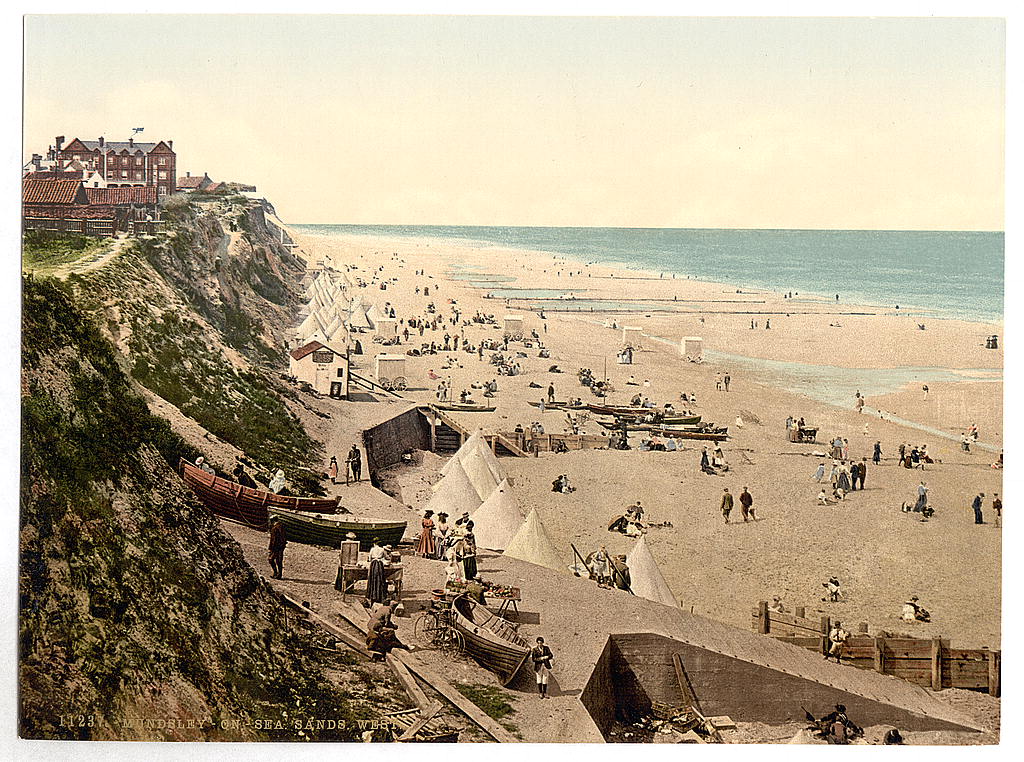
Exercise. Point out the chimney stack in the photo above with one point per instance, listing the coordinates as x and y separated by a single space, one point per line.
59 140
36 160
170 144
188 174
131 142
101 141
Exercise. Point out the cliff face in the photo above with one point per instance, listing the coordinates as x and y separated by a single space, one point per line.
135 607
202 314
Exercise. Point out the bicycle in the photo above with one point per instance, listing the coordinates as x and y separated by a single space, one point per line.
434 628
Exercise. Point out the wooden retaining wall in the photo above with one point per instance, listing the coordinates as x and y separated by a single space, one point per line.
546 442
931 663
385 442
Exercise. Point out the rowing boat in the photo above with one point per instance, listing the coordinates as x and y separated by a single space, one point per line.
672 420
246 505
465 408
329 530
489 639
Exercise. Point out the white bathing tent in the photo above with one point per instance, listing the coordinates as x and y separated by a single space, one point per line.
645 577
691 347
476 443
532 544
454 494
498 518
513 325
632 336
479 473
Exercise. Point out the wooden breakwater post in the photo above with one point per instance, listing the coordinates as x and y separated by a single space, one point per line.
928 662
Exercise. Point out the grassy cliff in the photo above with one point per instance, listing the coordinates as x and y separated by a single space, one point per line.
135 606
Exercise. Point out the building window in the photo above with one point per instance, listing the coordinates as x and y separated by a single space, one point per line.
163 174
124 173
163 161
138 161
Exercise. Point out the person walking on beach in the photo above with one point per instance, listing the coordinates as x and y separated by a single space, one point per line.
862 472
354 461
725 380
819 474
876 456
332 470
747 505
726 504
551 393
997 506
278 541
976 505
965 443
903 452
541 657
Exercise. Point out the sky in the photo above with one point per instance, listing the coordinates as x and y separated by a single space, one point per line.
855 123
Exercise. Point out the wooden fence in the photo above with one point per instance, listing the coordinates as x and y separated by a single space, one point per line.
931 663
528 442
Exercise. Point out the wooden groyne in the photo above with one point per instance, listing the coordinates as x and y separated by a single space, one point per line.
928 662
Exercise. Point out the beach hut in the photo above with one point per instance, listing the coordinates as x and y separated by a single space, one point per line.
320 366
498 518
646 580
532 544
513 325
692 347
632 336
390 371
454 494
386 328
479 473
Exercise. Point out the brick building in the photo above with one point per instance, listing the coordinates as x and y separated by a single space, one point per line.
121 163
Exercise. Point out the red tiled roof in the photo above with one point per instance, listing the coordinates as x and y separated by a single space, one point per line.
50 191
212 187
127 195
53 174
308 349
191 182
71 211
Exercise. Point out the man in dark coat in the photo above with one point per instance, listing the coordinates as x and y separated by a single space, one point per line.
976 505
278 540
541 657
863 471
726 504
355 462
746 503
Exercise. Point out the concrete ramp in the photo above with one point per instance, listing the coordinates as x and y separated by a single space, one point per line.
636 670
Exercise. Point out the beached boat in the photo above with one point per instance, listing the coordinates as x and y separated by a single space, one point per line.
245 504
489 639
706 436
671 420
329 530
472 407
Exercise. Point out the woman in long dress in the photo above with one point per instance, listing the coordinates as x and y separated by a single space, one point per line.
332 470
469 552
376 580
843 481
441 531
427 548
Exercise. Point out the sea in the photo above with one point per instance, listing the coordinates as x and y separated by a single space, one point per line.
934 274
951 274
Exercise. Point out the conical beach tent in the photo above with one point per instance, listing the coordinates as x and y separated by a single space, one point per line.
466 448
531 543
496 522
480 444
454 495
479 474
645 576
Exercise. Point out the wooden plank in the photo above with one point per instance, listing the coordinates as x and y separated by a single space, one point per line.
689 697
879 656
408 682
416 727
337 632
467 707
763 618
936 664
994 679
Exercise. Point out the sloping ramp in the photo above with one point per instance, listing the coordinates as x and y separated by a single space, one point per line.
636 670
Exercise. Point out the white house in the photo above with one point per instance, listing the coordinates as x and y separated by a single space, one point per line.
323 368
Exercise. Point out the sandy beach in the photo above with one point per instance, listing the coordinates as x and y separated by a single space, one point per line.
881 555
